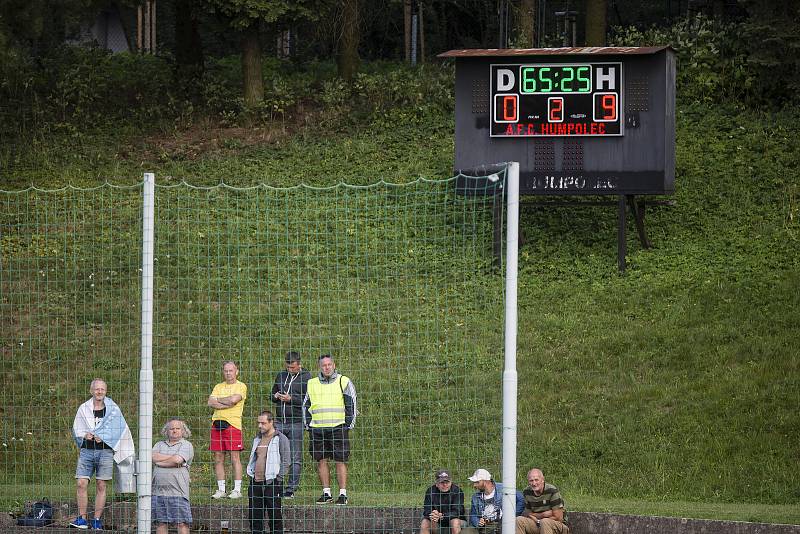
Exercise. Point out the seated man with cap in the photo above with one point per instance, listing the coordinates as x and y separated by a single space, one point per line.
443 509
486 511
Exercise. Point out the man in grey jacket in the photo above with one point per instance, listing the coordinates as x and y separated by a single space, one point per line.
268 464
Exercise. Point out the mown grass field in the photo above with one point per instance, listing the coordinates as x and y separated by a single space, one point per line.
671 389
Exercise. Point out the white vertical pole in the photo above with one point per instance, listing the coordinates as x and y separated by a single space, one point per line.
144 466
510 369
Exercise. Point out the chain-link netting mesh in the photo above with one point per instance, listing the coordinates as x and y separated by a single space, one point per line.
69 312
396 282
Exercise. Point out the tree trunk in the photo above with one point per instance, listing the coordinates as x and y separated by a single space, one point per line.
347 58
596 22
526 22
188 46
421 33
718 11
407 28
251 66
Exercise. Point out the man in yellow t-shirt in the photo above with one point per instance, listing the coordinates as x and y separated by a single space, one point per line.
227 399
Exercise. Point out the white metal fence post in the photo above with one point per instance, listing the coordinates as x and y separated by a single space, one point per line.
144 465
510 368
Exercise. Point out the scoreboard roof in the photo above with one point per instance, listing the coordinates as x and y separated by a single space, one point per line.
581 50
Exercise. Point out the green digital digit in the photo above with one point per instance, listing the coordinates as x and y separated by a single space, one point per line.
528 81
566 82
544 73
585 79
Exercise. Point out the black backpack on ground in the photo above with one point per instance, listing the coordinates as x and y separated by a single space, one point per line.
39 514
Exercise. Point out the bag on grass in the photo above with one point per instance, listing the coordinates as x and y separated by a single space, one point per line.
40 514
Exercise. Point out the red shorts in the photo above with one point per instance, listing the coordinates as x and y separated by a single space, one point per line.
229 439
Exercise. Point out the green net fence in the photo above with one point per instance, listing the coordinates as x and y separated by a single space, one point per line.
70 278
398 283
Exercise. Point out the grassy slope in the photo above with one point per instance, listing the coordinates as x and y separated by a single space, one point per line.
671 389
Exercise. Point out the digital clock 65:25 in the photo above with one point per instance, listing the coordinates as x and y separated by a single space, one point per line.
555 79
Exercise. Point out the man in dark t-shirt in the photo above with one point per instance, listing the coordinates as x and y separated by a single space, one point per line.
443 507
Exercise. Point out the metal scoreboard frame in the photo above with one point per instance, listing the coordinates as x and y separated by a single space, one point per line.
546 118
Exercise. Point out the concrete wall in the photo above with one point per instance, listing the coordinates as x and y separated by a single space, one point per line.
121 517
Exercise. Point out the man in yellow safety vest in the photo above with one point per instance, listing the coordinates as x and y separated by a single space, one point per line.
329 412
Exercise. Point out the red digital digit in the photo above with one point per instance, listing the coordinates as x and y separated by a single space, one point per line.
510 108
609 105
556 109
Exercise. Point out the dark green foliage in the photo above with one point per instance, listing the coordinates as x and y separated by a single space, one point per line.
754 63
78 87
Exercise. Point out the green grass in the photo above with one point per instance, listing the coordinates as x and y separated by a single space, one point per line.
670 390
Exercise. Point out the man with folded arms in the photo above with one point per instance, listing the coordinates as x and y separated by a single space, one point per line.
171 460
227 399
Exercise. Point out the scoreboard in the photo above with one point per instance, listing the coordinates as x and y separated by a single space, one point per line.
552 99
580 121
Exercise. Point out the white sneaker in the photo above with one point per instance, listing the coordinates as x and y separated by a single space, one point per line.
235 494
218 494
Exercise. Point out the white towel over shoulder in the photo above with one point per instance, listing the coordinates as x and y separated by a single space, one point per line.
113 429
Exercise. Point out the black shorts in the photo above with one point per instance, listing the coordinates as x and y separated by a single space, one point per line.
333 443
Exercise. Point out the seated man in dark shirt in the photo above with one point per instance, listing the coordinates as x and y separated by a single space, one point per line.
444 506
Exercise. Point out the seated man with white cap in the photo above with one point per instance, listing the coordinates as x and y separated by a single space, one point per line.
486 511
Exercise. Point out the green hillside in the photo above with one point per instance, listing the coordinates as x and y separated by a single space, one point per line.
670 389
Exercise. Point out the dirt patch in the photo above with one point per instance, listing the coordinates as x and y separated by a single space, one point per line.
201 141
207 137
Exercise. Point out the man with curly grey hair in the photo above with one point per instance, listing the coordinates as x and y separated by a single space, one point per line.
171 460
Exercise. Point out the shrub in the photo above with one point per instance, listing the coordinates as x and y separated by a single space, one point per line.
74 85
709 57
747 63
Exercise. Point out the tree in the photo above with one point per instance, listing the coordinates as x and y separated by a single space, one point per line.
596 22
36 25
188 46
347 55
31 28
246 18
526 19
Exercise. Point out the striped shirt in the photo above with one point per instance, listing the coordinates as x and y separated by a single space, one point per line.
550 499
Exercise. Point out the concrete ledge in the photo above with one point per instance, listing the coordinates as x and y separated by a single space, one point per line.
596 523
330 519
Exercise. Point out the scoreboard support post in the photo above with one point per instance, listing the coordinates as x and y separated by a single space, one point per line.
622 243
637 211
638 217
